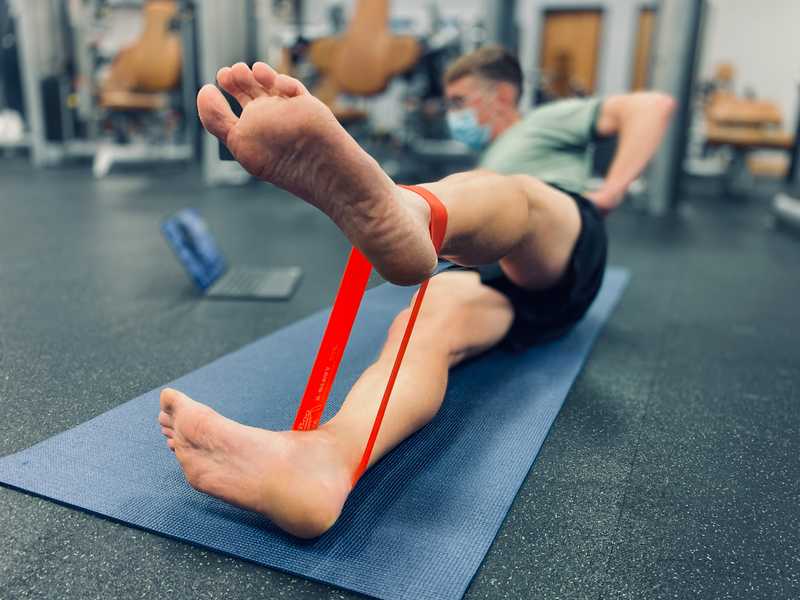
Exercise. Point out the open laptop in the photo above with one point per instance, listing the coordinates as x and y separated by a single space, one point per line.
189 237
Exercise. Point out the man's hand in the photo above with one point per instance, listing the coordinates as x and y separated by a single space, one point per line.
605 199
639 120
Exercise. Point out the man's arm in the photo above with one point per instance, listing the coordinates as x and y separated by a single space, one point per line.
639 120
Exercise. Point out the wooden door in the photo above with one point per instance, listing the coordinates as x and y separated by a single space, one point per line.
569 54
644 49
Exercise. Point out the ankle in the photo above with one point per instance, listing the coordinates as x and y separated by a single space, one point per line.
343 452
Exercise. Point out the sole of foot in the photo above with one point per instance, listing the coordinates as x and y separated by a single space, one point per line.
289 138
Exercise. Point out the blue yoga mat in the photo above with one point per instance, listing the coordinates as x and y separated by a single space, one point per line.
418 524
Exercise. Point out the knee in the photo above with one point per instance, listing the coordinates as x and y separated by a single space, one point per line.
530 187
442 298
424 327
466 175
526 181
440 292
438 308
398 326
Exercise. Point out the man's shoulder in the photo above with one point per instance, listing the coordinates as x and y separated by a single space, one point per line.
561 108
511 143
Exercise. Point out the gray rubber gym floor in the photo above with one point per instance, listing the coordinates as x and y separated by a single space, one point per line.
671 472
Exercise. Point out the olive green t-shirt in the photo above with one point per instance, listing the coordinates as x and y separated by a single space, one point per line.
552 143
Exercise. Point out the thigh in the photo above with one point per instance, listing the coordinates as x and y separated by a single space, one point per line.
554 224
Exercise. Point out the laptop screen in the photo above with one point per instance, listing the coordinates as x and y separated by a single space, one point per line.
187 234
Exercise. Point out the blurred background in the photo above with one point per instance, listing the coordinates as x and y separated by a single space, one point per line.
672 471
111 83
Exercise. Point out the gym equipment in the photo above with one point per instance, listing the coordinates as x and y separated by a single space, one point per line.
420 521
151 64
786 210
62 55
189 237
12 125
786 204
363 60
679 27
46 76
793 176
144 92
742 126
223 39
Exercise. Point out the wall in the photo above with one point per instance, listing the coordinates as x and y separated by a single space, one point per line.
416 10
620 20
761 40
617 44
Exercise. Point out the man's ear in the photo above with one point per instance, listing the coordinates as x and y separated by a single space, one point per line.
506 93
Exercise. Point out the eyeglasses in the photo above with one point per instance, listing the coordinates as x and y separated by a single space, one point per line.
457 102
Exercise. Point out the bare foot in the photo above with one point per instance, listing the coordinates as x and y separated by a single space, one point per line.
296 479
289 138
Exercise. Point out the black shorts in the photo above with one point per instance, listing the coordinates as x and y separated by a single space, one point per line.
544 315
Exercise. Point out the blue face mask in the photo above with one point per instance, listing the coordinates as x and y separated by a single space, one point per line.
465 128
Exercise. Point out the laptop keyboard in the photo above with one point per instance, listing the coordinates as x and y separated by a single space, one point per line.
242 281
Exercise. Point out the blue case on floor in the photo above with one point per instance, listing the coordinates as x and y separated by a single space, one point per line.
187 234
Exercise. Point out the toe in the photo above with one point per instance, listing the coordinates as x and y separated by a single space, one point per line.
165 418
168 432
228 83
170 400
171 444
273 83
215 112
244 79
288 86
265 76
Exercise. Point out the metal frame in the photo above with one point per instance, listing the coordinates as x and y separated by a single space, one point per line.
189 76
219 45
793 176
42 152
678 32
501 22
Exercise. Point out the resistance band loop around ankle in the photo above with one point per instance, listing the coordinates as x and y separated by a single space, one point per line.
340 324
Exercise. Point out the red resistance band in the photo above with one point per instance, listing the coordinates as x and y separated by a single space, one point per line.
340 324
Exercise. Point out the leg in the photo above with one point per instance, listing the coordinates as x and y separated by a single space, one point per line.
287 137
460 318
525 224
300 480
